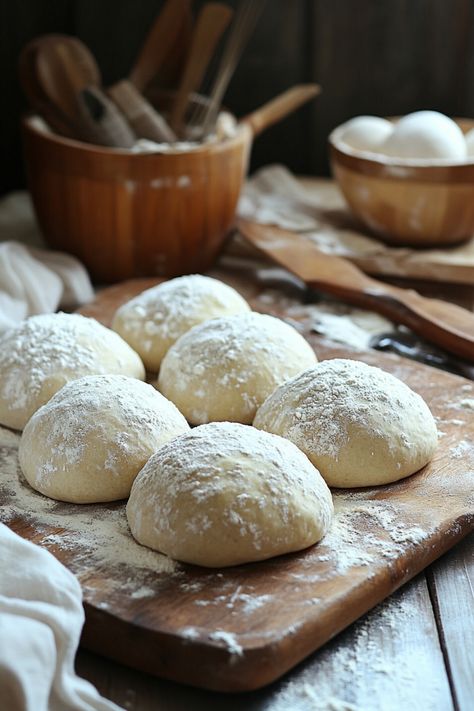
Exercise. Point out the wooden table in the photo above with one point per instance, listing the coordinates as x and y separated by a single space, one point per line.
412 652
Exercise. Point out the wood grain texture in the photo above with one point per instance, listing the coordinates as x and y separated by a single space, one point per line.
390 534
390 660
127 214
452 588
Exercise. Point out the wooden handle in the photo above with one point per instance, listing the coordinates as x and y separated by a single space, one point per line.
159 42
211 23
441 322
140 114
101 121
445 324
279 107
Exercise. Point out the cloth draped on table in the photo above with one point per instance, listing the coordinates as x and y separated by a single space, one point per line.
34 280
41 618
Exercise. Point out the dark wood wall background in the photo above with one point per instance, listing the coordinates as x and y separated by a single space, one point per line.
370 56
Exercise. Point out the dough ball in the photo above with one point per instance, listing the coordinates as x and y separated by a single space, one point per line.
359 425
156 318
469 138
226 494
88 443
426 134
225 368
366 133
44 352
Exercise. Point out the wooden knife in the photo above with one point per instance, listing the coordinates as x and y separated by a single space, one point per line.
440 322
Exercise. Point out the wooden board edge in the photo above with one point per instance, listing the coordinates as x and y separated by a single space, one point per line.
182 660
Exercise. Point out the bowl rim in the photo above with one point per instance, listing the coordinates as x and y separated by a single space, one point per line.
377 165
27 121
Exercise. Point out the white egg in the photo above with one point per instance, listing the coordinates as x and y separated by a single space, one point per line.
427 135
366 133
469 138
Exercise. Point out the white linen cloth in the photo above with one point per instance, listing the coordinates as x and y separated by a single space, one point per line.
34 280
41 619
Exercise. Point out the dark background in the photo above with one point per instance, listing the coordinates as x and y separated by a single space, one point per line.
383 57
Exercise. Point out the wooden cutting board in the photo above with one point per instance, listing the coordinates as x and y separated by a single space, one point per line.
240 628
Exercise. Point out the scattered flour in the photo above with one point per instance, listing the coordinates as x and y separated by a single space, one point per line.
382 663
98 530
463 450
229 640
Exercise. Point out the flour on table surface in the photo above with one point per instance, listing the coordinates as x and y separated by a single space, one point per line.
361 671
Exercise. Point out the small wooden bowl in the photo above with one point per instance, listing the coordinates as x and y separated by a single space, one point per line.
407 204
143 214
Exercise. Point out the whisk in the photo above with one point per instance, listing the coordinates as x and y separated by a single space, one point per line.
203 118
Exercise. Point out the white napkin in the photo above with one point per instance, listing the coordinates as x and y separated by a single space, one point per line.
34 280
41 619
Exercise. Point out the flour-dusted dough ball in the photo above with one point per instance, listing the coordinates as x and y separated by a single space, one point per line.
426 135
359 425
366 133
156 318
88 443
226 494
44 352
225 368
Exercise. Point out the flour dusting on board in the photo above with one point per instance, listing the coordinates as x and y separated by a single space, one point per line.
103 533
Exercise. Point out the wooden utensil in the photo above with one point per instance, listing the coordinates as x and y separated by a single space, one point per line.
211 23
279 107
142 117
70 78
65 67
127 94
159 42
246 18
445 324
169 73
34 92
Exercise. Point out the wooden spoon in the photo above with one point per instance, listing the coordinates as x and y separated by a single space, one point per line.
445 324
34 92
66 69
210 25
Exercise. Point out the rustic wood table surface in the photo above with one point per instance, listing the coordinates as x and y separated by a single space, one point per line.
411 652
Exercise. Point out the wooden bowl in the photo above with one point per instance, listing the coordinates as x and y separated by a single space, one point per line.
143 214
135 214
406 203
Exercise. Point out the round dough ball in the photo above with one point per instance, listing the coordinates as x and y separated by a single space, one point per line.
366 133
156 318
226 494
88 443
225 368
426 134
44 352
358 424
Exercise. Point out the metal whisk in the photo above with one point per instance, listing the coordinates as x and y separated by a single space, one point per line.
204 116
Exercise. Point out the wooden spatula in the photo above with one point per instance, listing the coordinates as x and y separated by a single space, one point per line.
127 93
159 42
445 324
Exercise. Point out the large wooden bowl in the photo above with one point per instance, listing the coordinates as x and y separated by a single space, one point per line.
407 204
135 214
143 214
